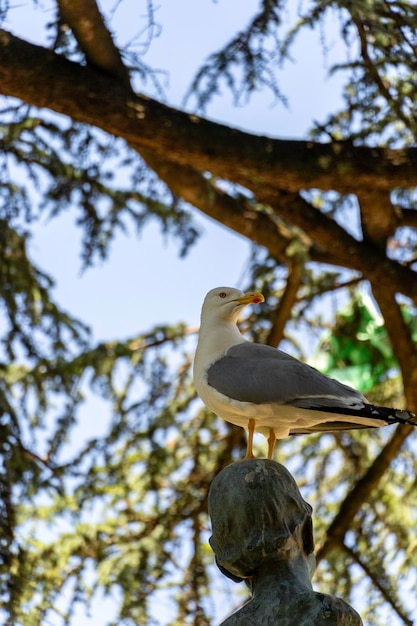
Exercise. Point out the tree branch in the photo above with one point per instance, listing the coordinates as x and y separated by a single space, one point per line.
408 217
239 214
378 217
334 245
376 581
373 72
91 33
95 40
402 342
266 166
93 98
361 492
286 303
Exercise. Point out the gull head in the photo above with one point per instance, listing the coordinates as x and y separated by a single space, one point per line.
226 303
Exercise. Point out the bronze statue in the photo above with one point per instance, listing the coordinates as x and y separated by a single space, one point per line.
262 533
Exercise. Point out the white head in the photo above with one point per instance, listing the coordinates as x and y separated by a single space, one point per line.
226 303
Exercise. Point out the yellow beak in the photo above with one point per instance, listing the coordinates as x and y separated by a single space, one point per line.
251 298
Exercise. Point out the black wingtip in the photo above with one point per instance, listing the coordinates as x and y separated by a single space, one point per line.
375 412
391 416
405 417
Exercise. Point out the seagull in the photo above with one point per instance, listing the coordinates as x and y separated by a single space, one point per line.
268 391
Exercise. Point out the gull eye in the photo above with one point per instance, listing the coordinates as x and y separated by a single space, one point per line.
222 294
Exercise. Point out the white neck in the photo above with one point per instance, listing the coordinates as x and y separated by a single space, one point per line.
215 338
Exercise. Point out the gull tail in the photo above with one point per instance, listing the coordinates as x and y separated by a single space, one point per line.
352 418
374 412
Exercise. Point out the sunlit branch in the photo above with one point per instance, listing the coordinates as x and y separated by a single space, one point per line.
361 492
377 582
286 302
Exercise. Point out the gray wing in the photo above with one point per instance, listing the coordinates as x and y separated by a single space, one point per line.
251 372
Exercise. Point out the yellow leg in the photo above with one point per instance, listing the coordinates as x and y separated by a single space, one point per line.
271 443
249 449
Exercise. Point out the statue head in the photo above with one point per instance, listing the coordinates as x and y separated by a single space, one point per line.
258 516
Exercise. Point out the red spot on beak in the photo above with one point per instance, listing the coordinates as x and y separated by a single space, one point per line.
257 300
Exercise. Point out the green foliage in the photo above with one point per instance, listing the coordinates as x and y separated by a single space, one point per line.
359 353
70 165
246 63
380 39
